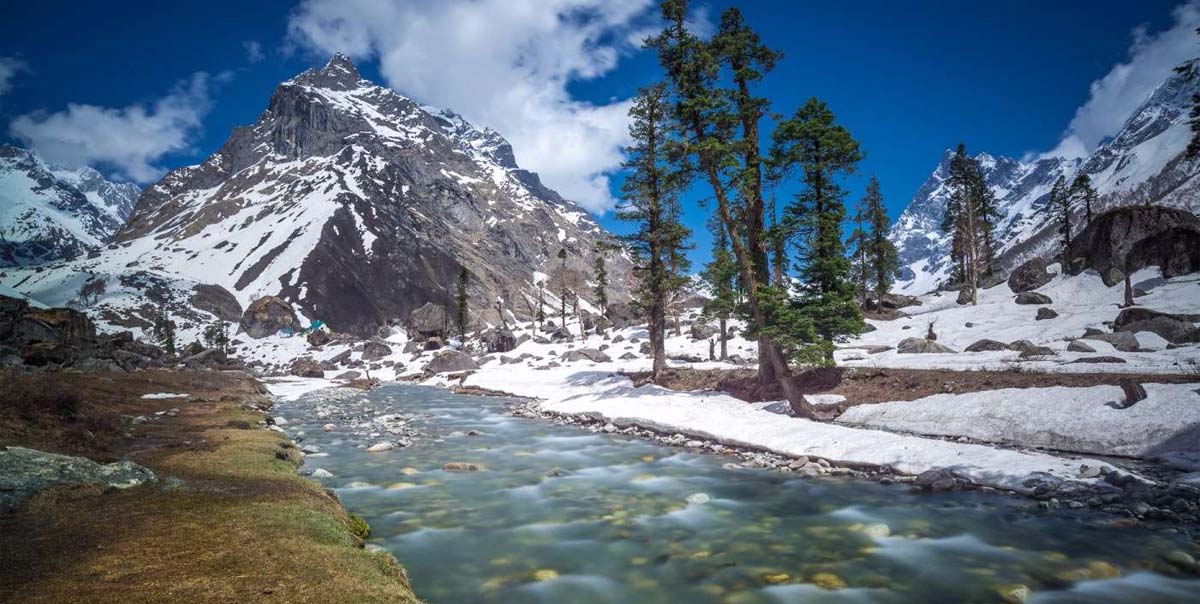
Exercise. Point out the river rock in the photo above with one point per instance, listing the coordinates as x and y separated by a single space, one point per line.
24 472
461 466
380 447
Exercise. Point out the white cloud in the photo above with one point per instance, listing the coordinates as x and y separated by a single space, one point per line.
129 140
9 67
502 64
1119 93
254 51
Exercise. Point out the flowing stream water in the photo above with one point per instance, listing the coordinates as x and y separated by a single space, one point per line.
562 515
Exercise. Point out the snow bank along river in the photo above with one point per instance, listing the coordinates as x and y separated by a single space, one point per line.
556 514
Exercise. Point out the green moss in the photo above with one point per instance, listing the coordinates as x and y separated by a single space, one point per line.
359 527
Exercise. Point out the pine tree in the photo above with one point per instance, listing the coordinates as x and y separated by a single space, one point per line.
719 275
163 330
601 289
649 201
824 152
1081 189
562 289
706 118
859 244
969 218
216 335
461 303
540 317
881 256
1059 206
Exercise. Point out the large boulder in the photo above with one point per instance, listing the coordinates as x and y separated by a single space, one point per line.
374 351
986 345
898 301
1176 329
1033 298
1029 276
318 338
702 331
216 300
965 295
1044 313
429 321
921 346
268 315
1126 239
586 354
24 472
622 314
306 367
498 340
451 360
1122 340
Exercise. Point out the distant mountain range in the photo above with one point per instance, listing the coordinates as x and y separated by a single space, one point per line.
49 213
348 199
1141 164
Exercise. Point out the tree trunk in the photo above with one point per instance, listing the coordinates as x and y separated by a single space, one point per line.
724 340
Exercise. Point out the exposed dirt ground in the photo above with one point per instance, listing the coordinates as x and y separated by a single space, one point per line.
228 521
867 386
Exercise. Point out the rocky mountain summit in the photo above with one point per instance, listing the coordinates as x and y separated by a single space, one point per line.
1142 164
356 205
49 213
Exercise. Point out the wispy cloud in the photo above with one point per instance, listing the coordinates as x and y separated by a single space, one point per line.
129 140
502 64
1127 85
9 68
254 51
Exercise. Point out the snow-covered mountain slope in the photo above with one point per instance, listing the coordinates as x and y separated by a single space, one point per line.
1141 164
358 205
49 213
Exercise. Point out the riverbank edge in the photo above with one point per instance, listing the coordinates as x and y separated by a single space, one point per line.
228 518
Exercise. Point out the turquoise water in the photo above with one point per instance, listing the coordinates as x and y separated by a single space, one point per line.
561 515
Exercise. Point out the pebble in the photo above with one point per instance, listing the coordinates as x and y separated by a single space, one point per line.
380 447
698 498
329 427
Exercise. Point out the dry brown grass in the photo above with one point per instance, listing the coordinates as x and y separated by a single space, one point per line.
233 522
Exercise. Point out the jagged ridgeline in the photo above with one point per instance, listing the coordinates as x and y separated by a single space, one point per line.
1142 164
357 205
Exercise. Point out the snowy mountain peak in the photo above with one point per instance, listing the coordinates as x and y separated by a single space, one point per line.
49 214
339 73
1141 163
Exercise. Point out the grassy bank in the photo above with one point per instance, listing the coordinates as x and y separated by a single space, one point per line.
228 521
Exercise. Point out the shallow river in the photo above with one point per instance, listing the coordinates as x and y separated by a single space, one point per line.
561 515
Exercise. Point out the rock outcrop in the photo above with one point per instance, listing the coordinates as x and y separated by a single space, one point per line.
1121 241
1029 276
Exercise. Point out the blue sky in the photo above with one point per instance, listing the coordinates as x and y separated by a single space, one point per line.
909 79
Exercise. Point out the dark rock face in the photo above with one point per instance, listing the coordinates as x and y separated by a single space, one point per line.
986 345
921 346
1126 239
216 300
66 337
1176 329
1029 276
451 360
1033 298
498 340
266 316
429 321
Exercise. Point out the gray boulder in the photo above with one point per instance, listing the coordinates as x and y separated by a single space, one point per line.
1122 340
702 331
1033 298
1176 329
586 354
921 346
428 321
306 367
1044 313
965 294
1077 346
451 360
268 315
1029 276
1133 237
498 340
374 351
24 472
986 345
